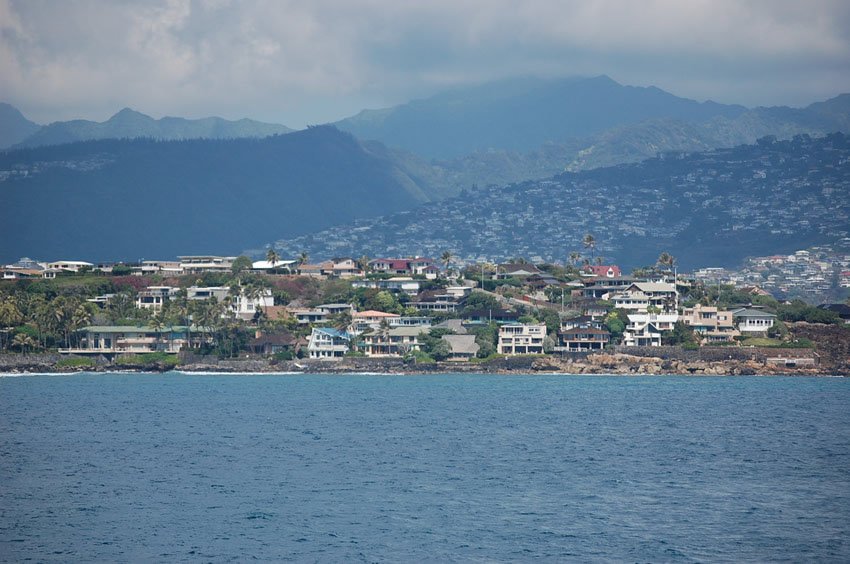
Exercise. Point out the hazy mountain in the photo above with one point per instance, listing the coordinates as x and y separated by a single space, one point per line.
522 115
710 208
129 124
14 127
126 199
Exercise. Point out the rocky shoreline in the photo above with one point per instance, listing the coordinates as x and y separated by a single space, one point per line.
602 363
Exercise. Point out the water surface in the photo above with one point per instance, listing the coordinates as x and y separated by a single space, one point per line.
175 467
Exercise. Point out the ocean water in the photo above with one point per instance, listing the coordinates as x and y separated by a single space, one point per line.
175 467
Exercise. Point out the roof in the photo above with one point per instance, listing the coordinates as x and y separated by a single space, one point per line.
332 332
462 344
840 309
585 331
373 313
406 331
602 270
654 286
518 267
751 313
455 325
134 329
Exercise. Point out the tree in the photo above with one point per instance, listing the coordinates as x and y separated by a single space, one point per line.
23 342
447 258
575 256
302 258
241 264
589 242
272 257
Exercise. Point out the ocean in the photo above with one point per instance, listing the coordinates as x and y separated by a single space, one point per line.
176 467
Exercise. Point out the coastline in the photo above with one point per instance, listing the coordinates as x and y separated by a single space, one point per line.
594 364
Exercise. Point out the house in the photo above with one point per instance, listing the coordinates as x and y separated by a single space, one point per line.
403 284
453 325
202 293
640 296
370 319
541 281
520 338
397 341
645 329
326 343
585 321
582 339
154 297
461 347
403 266
488 315
436 300
601 271
11 273
109 340
842 310
306 316
69 265
246 306
752 322
336 309
198 264
345 268
275 343
164 267
596 288
101 301
516 270
410 321
287 266
710 324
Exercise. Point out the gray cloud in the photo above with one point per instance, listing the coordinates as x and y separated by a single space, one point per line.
309 62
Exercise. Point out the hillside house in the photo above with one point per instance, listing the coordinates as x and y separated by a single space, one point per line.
326 343
645 329
461 347
516 339
753 322
397 341
710 324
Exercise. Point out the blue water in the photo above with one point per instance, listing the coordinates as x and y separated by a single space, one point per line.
173 467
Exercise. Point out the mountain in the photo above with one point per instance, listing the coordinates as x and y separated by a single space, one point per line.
14 127
129 124
126 199
522 115
711 208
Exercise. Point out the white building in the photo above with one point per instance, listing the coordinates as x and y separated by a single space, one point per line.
328 344
640 296
198 264
753 321
521 339
645 329
69 265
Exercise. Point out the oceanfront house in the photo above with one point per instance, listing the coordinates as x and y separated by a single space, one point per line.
710 324
461 347
521 338
110 340
326 343
198 264
398 341
69 265
154 297
276 343
753 322
582 339
645 329
641 296
585 321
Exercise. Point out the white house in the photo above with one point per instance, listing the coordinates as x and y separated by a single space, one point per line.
521 339
198 264
753 321
328 344
69 265
397 341
645 329
640 296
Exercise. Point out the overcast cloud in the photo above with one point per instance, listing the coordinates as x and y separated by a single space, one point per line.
311 62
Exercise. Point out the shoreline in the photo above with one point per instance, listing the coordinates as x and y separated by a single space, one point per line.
614 364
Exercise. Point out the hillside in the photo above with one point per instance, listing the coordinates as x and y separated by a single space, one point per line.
522 114
127 199
129 124
712 208
14 127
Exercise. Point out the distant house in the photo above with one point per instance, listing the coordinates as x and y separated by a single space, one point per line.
328 344
404 266
278 266
711 325
598 287
370 319
108 340
461 347
403 284
753 321
601 271
198 264
585 321
487 315
154 297
640 296
397 341
335 309
842 310
274 343
519 338
516 270
306 316
645 329
582 339
436 300
69 265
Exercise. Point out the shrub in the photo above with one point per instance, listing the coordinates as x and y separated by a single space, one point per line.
75 362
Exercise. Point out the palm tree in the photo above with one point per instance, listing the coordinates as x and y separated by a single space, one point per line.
589 242
272 257
575 256
303 257
23 342
447 259
157 323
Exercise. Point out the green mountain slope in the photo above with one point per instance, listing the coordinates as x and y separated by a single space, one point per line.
126 199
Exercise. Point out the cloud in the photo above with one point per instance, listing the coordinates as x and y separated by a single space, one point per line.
309 62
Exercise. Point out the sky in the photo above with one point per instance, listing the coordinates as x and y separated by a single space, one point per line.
316 61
